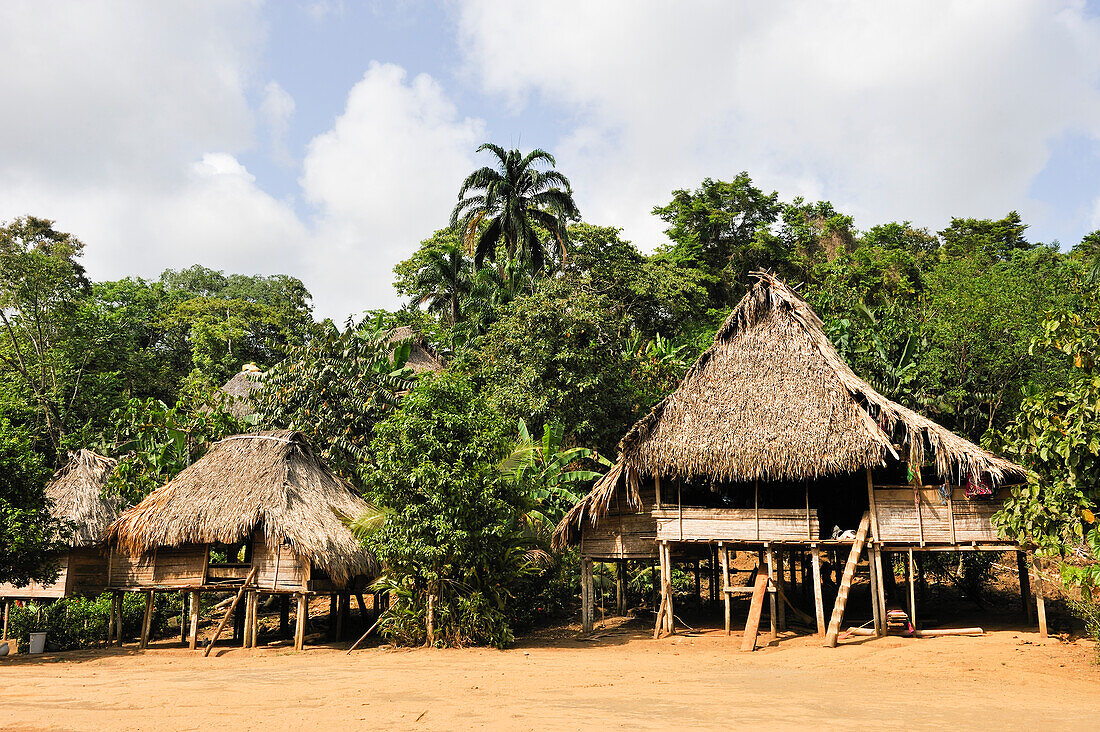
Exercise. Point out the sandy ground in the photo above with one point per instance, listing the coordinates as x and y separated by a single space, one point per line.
1006 679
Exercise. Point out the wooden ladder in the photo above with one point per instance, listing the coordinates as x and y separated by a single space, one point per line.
846 582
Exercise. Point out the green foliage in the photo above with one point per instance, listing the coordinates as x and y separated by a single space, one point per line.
72 623
29 535
334 389
1057 436
452 534
157 442
985 239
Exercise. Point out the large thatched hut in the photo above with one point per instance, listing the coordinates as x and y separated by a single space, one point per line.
78 495
422 357
237 391
772 445
258 510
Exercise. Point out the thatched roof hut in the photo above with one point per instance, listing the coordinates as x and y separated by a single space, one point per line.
422 357
238 391
271 482
78 494
772 399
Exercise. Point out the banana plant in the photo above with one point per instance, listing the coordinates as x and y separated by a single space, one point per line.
549 474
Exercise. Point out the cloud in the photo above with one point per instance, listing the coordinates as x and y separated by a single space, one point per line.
910 110
276 108
383 178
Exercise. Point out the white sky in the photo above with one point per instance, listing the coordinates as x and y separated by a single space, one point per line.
325 140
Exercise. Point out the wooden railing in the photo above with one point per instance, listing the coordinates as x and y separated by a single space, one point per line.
736 524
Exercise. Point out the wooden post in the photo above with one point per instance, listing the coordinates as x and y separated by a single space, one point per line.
876 586
119 637
183 617
193 636
670 618
588 615
725 554
819 603
300 622
871 507
912 590
1025 585
7 610
698 583
771 595
782 560
147 621
332 615
1040 603
343 610
110 622
362 606
846 582
284 615
620 587
246 624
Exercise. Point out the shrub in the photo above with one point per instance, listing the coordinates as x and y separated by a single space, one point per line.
73 623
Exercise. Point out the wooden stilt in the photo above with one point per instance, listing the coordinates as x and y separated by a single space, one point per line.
110 622
620 588
193 636
147 621
300 622
1040 603
119 636
772 611
724 551
876 587
588 616
332 616
362 606
819 603
183 617
1025 585
846 582
284 615
670 617
698 583
246 627
912 590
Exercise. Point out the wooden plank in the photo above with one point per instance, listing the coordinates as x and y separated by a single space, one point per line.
819 604
756 608
300 624
846 582
876 588
951 516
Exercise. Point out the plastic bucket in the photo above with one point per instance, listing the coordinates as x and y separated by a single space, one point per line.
38 642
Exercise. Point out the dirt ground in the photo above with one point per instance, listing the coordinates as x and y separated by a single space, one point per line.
622 678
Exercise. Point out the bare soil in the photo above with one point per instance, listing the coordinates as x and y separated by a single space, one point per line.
621 678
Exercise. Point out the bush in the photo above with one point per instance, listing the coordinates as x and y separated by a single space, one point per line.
73 623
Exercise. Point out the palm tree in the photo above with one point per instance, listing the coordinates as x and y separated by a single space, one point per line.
513 199
444 282
1089 251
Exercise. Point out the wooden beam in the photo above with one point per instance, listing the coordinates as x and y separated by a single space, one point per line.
620 588
110 623
846 582
119 637
1040 603
193 636
871 507
819 603
773 612
147 621
756 608
1025 585
951 513
876 588
246 626
724 551
912 590
587 595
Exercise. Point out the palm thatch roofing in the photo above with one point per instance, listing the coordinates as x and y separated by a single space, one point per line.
239 390
422 357
78 495
269 481
772 399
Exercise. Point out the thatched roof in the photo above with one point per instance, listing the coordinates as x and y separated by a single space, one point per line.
77 493
422 357
771 399
268 481
239 390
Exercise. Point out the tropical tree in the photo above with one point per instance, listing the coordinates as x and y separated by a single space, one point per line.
443 283
508 204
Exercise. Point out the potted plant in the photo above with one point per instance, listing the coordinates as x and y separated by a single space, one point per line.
36 627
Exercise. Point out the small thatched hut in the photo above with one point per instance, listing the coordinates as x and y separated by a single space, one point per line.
260 509
238 391
422 357
772 444
78 496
